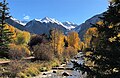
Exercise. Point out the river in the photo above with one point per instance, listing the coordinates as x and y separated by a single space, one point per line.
58 73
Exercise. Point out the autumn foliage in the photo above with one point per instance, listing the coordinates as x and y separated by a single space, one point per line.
89 34
18 47
57 40
73 40
18 51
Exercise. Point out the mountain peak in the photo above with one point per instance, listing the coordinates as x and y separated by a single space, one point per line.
46 18
45 21
68 25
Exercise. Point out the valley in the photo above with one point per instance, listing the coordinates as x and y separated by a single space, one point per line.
60 39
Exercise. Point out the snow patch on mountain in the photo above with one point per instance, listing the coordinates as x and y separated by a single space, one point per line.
16 20
48 20
67 25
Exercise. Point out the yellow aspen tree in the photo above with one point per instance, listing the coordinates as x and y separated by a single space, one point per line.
88 35
74 40
57 40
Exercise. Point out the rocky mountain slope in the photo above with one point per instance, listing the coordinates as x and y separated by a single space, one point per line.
16 23
40 26
81 29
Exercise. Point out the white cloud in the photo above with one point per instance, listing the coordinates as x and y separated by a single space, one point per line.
26 17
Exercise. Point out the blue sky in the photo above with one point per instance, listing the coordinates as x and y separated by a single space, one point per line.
76 11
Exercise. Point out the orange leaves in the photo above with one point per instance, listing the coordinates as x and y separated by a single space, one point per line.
100 23
18 47
60 43
20 37
58 40
92 31
88 35
73 40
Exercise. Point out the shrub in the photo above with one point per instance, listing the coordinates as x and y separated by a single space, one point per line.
22 37
43 52
55 63
69 52
16 67
18 51
22 75
30 71
43 69
21 69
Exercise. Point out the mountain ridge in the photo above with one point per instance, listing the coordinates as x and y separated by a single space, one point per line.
40 26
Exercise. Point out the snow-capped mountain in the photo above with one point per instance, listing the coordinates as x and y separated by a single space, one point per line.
24 22
18 21
51 20
69 25
40 26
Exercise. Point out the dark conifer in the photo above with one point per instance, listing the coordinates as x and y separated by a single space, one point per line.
5 34
106 51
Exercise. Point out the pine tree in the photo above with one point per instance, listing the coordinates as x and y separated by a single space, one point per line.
5 34
105 54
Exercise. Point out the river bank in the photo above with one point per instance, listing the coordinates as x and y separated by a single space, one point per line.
62 72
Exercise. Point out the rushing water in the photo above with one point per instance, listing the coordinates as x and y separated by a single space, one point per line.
59 73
